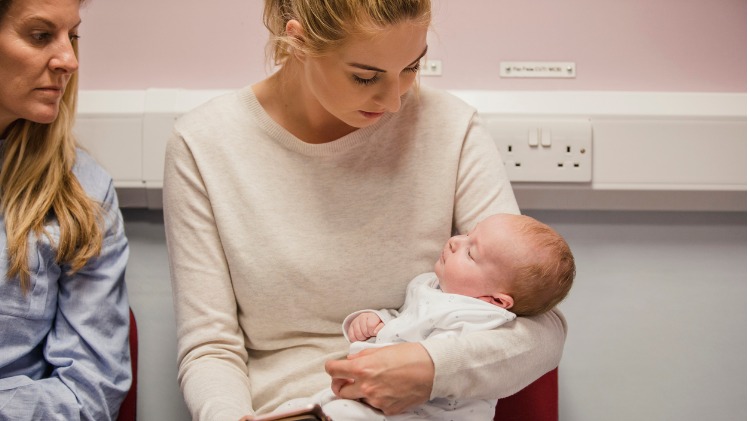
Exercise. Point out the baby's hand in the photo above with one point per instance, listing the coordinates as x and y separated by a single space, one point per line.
364 326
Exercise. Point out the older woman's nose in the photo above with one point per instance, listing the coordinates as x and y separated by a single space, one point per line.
64 58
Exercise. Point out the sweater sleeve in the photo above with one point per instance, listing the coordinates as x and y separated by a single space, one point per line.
212 359
499 362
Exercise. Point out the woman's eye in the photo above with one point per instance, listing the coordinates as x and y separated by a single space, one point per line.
41 36
412 69
365 82
74 37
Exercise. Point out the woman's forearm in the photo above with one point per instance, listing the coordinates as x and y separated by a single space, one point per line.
497 363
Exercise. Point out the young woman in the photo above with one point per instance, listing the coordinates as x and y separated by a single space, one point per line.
322 190
64 310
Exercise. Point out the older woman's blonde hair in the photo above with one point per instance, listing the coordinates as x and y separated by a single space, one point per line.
328 23
37 186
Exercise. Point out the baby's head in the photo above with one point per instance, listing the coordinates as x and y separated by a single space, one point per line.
512 261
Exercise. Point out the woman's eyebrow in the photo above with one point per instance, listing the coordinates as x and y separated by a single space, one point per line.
376 69
420 56
41 20
46 22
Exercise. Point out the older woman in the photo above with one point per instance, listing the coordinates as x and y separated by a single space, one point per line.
63 303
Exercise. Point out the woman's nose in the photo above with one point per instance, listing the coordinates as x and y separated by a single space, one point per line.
390 97
64 59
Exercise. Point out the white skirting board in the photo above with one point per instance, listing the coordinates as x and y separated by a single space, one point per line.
648 150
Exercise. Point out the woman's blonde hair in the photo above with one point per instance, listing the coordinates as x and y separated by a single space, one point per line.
37 183
328 23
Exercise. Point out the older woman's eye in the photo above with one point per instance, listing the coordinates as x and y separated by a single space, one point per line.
41 37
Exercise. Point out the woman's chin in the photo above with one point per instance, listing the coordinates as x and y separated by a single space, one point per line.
44 116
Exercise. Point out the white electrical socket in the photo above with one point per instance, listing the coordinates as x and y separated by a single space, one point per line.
544 150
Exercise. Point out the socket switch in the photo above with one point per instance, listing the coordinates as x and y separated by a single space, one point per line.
544 150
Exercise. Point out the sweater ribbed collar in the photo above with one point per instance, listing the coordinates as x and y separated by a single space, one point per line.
285 138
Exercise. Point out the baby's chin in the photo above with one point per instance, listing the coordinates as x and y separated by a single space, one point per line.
439 277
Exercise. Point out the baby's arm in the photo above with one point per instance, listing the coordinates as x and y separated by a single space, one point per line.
364 326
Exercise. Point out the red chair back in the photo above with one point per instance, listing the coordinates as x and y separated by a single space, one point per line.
127 409
536 402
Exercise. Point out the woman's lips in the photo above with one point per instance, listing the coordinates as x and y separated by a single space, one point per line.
368 114
51 91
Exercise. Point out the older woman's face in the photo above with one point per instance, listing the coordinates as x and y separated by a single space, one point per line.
36 58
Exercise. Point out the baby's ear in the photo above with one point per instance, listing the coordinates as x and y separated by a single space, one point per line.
499 299
503 300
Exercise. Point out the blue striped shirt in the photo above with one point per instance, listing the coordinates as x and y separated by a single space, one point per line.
64 344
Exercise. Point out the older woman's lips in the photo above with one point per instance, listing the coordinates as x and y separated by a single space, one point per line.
50 91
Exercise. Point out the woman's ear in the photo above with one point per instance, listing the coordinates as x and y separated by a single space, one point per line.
295 30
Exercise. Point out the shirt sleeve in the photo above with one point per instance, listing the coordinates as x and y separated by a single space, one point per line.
87 347
500 362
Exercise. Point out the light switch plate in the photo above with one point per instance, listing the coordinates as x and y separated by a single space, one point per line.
538 69
431 67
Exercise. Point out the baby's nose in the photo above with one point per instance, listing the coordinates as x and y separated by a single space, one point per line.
454 242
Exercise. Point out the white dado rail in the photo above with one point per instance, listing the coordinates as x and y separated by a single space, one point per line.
562 150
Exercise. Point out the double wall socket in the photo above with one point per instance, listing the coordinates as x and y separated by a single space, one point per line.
544 150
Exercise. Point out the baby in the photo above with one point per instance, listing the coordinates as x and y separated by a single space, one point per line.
508 262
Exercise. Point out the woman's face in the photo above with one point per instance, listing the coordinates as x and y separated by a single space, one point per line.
36 58
367 76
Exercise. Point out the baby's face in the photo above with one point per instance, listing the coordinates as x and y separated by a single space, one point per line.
483 261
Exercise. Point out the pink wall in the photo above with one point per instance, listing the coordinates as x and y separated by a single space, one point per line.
617 45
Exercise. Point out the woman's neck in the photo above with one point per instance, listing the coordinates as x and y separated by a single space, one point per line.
4 126
287 99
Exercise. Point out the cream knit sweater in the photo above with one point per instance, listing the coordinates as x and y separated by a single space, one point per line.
273 241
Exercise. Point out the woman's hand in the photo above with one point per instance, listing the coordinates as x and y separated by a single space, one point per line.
392 378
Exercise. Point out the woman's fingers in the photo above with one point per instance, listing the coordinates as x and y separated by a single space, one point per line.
391 379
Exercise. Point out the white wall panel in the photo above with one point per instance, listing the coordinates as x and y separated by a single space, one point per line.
116 143
670 154
651 151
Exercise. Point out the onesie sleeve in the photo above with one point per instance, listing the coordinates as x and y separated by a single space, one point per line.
384 315
500 362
